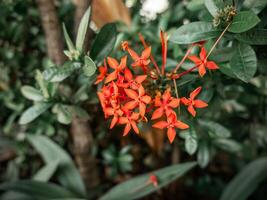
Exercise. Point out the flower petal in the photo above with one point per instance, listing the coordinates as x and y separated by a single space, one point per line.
195 93
131 93
185 101
142 109
113 63
123 62
146 99
212 65
111 77
174 103
171 134
113 122
194 59
160 125
200 104
127 129
202 70
134 126
180 125
146 53
130 105
134 116
167 95
140 79
133 54
157 113
191 110
141 91
123 120
203 53
128 74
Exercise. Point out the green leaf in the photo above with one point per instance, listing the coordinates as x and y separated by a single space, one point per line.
57 74
67 38
255 5
244 62
195 5
213 6
89 67
83 26
67 173
190 144
185 79
33 112
203 155
31 93
137 187
104 42
216 128
194 32
243 21
38 190
253 37
228 145
45 173
246 181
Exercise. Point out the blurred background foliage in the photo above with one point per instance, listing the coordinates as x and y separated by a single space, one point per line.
69 152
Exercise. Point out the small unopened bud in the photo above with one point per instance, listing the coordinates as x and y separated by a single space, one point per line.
153 74
125 45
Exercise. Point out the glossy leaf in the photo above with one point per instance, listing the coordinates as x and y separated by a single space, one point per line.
104 42
194 32
67 39
67 173
246 181
213 6
83 26
216 128
46 172
253 37
243 21
203 155
31 93
137 187
244 62
38 190
57 74
33 112
190 144
89 67
255 5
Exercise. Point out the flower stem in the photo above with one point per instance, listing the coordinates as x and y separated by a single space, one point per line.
184 58
177 95
151 56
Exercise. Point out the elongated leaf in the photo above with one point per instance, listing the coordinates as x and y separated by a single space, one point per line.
216 128
244 62
33 112
228 145
137 187
38 190
243 21
57 74
185 80
213 6
89 67
253 37
203 155
31 93
194 32
104 42
255 5
190 144
67 173
247 181
67 38
83 29
45 173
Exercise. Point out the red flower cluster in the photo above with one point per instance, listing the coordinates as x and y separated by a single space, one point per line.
128 99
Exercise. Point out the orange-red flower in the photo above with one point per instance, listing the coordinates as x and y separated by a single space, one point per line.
166 103
193 103
202 62
133 83
138 99
103 72
130 122
118 68
140 61
171 124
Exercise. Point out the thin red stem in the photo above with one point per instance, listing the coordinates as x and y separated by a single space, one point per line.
184 58
187 71
151 56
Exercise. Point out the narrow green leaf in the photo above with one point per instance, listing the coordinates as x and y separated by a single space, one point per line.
38 190
228 145
137 187
190 144
244 62
194 32
67 38
253 37
31 93
57 74
185 79
203 155
83 29
216 128
246 181
243 21
33 112
104 42
45 173
89 67
67 173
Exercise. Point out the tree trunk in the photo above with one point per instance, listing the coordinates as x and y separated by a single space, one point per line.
53 34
